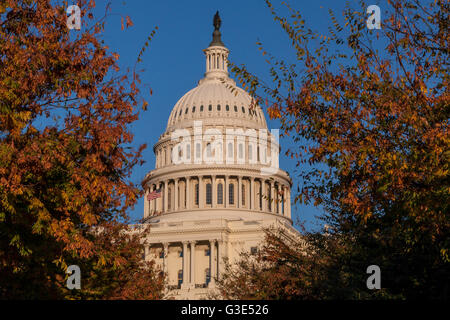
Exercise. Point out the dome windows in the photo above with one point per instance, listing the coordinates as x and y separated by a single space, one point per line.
243 110
210 107
193 109
235 109
227 107
187 109
218 107
201 108
179 114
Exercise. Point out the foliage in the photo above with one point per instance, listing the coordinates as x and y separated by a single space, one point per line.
64 161
368 111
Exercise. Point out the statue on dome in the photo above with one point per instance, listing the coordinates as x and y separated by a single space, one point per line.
217 22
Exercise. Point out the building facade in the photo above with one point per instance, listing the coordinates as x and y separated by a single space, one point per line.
216 183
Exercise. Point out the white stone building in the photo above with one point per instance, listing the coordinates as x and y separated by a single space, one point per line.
219 182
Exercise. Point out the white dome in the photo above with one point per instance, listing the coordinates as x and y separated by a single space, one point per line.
213 100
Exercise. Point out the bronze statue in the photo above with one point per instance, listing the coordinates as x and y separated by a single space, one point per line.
217 22
217 41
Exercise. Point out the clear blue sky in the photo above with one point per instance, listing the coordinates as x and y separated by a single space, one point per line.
174 61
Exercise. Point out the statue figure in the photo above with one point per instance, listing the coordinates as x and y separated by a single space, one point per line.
217 22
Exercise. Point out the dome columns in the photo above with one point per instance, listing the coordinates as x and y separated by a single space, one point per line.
219 191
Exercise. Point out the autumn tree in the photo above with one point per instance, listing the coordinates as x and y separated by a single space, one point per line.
368 112
65 160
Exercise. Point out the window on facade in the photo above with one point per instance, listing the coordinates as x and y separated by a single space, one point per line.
201 108
169 198
231 193
243 194
207 276
218 107
250 152
197 150
241 151
260 196
208 193
235 109
230 150
220 193
210 108
208 150
196 194
243 110
227 107
188 151
180 277
187 109
193 109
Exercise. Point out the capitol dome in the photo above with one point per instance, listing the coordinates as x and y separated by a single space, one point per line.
216 183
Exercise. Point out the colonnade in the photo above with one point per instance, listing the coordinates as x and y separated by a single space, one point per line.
190 256
219 191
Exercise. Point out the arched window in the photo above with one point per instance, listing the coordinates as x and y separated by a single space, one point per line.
179 114
227 107
220 193
193 109
210 108
187 109
208 193
231 193
196 194
230 150
243 194
235 109
218 107
243 110
201 108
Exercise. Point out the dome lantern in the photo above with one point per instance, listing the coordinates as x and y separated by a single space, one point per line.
216 53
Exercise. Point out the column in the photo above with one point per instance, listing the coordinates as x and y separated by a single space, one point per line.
220 249
188 192
175 205
288 200
252 193
159 200
166 254
212 256
214 191
192 263
225 193
200 192
166 195
185 264
239 196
